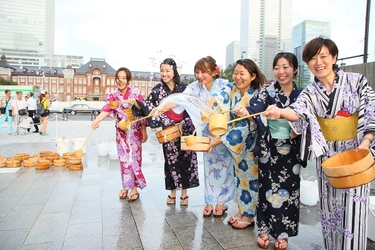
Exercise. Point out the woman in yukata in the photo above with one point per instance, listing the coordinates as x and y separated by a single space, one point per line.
240 139
218 163
129 142
334 94
279 167
180 167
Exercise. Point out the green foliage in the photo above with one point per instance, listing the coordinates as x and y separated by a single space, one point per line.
191 80
7 82
227 73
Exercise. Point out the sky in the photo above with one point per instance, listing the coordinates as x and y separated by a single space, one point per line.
140 34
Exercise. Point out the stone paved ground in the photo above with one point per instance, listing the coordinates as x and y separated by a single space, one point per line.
62 209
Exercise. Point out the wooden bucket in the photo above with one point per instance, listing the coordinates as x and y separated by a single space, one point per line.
114 104
129 113
169 134
218 123
42 164
13 163
202 144
349 169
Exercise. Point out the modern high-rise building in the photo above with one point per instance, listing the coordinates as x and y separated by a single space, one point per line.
302 33
266 28
233 53
27 31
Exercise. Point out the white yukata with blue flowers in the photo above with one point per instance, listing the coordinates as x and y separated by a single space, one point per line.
219 164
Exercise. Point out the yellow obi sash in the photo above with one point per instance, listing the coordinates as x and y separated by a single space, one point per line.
129 113
339 129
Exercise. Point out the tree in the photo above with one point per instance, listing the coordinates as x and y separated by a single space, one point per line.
228 73
7 82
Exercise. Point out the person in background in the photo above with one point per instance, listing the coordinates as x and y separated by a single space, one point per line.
43 99
180 167
334 94
6 103
129 142
240 139
18 103
31 110
218 165
279 167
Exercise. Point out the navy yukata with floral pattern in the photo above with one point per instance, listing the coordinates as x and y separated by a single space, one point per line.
279 169
180 167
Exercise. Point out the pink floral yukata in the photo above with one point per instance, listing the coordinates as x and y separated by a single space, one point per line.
129 142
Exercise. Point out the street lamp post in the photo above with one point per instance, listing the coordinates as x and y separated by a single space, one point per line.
243 52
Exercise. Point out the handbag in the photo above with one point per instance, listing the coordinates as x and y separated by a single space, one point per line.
40 108
22 112
4 109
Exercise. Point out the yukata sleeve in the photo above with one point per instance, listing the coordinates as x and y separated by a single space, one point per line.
139 112
313 143
107 108
366 122
258 103
235 140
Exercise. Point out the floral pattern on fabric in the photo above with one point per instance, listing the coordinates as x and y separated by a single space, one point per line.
279 169
129 142
180 167
343 211
218 164
240 142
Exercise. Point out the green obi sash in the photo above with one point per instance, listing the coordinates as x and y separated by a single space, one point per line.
280 129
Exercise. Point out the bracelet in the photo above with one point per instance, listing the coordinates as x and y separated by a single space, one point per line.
366 138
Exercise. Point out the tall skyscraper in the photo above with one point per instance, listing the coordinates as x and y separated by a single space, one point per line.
266 28
233 53
302 33
27 30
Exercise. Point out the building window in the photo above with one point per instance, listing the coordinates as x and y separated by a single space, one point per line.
54 88
68 88
61 80
61 90
84 80
80 80
75 80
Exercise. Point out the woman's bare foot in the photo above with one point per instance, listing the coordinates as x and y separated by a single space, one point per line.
208 210
234 218
243 223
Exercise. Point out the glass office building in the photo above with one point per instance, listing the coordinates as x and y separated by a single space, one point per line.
27 30
302 33
266 28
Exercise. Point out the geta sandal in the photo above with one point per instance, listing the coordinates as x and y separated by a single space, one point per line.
123 193
265 242
278 242
184 200
171 200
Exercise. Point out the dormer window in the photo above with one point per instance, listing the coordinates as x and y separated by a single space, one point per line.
103 66
90 65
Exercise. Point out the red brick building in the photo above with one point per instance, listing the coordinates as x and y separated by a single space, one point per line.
92 81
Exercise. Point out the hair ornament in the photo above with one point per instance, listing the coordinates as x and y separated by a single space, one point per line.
217 68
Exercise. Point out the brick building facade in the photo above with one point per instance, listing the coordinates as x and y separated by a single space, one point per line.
92 81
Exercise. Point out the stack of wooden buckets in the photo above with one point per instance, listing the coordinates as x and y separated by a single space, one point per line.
43 161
